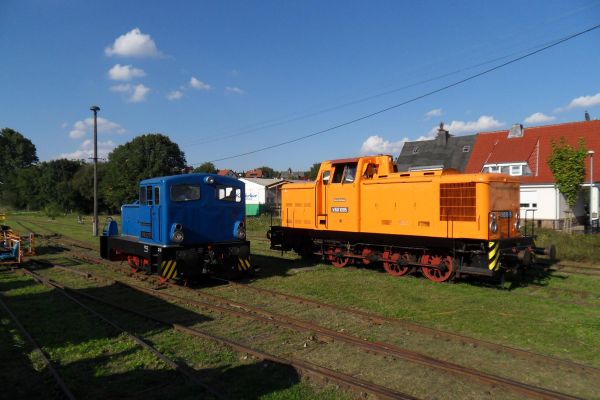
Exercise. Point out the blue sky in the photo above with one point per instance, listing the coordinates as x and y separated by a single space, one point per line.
222 78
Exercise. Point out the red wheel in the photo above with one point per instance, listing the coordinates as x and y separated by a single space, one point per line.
337 258
397 264
441 274
134 263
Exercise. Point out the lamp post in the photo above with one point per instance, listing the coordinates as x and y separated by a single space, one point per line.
95 110
591 154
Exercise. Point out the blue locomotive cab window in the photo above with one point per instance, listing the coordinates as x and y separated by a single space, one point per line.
229 193
146 195
156 195
185 192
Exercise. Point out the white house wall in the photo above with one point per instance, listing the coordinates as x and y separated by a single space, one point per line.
551 204
255 193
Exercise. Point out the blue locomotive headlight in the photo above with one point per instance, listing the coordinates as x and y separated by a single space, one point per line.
209 180
493 223
177 233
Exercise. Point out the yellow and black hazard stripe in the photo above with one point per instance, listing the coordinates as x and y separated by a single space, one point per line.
243 264
168 269
493 255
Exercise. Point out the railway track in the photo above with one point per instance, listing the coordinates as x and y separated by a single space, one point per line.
379 319
66 392
183 369
386 350
303 367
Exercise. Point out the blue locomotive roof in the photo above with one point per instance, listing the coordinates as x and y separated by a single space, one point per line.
190 177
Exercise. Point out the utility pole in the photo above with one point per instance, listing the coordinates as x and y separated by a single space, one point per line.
95 109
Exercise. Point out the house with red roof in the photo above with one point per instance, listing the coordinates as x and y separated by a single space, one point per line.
227 172
523 153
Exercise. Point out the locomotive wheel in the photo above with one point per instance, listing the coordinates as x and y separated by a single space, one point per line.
337 260
397 264
134 263
435 274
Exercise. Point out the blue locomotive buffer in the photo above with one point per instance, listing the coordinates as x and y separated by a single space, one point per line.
181 226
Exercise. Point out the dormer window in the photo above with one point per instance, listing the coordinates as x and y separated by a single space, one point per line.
513 169
466 149
415 149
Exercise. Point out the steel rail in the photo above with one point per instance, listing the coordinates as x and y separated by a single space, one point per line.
59 381
383 349
340 378
379 319
183 369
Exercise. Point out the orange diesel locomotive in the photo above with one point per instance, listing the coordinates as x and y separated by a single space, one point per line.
443 223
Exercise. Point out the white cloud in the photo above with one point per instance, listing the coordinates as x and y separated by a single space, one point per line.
234 89
137 93
125 72
64 125
198 84
133 44
80 128
582 102
175 95
377 145
86 151
539 117
484 123
436 112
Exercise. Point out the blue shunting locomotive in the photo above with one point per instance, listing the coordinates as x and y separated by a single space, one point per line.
182 226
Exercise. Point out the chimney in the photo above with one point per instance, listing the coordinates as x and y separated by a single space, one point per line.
516 131
587 116
442 135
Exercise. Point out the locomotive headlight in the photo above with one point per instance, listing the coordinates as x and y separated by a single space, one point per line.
518 222
177 233
493 223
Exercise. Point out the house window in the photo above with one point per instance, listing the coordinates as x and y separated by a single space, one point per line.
516 170
466 149
415 149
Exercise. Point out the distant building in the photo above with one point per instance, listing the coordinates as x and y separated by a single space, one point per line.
262 194
254 173
227 172
523 153
444 152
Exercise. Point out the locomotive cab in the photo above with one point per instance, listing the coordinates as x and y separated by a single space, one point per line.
181 226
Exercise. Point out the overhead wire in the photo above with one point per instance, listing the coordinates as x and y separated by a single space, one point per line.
412 100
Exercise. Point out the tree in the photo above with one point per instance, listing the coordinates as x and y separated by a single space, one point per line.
146 156
314 170
267 172
55 184
567 166
206 167
16 152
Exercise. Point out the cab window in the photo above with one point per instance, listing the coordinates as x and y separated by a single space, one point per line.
344 173
229 193
156 195
146 195
185 192
326 176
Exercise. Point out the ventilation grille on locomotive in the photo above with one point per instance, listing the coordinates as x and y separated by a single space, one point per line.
457 202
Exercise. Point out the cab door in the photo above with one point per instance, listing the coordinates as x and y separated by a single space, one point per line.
322 187
145 213
342 198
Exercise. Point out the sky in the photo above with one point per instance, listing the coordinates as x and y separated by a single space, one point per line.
224 78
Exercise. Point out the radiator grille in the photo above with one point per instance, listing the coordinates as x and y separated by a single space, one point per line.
458 202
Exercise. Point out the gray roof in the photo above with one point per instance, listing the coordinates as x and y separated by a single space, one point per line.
443 152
